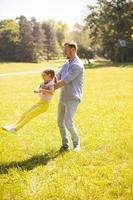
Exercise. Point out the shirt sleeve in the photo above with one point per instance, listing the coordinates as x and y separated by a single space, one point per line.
73 73
58 74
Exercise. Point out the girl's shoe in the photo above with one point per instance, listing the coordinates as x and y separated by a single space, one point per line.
10 129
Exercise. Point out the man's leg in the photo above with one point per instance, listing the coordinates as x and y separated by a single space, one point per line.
61 124
71 108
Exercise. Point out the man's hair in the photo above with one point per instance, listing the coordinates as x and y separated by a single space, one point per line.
71 44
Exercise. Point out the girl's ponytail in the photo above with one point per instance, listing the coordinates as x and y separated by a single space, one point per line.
55 79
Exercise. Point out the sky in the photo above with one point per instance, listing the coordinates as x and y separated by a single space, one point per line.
67 11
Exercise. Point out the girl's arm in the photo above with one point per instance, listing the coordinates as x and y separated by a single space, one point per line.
40 89
37 90
46 91
49 90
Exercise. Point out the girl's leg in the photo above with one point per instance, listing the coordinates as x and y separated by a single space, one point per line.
33 112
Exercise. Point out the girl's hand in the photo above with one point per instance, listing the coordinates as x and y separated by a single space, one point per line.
42 91
35 91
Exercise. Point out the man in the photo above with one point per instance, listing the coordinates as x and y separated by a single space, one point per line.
70 79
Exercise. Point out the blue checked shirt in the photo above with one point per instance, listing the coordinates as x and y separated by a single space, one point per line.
72 74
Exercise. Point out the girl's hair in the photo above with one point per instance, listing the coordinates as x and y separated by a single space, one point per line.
50 72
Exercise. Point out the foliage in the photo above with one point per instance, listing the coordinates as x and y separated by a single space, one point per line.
80 34
110 23
85 53
9 38
108 31
26 46
38 38
50 41
26 40
61 30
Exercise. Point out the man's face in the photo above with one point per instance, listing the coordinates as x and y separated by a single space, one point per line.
67 51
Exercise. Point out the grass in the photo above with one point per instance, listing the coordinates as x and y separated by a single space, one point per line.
31 168
18 67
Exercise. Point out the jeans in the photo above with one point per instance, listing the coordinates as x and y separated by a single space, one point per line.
66 111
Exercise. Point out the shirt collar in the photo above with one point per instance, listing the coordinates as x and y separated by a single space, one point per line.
71 60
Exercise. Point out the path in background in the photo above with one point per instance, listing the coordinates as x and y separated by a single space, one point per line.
20 73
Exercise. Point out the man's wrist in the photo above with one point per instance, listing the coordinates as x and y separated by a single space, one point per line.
59 84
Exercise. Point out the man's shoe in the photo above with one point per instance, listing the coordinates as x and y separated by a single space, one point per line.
76 148
64 149
10 129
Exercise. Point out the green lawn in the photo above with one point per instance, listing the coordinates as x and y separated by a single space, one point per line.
31 168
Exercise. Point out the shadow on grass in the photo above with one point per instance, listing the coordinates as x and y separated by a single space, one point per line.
100 64
29 164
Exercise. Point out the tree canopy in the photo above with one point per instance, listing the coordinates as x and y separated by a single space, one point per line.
111 28
107 31
24 40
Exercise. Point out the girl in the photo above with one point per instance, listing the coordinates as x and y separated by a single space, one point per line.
45 91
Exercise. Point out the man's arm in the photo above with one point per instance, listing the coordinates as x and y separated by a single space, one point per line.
73 73
59 84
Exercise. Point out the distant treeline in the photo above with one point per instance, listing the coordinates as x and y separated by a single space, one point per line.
107 32
22 40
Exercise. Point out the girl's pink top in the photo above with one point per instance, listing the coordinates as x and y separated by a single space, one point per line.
47 86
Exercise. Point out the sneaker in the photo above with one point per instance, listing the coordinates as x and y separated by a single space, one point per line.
10 129
76 148
64 149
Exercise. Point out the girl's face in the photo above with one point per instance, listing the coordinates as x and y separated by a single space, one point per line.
46 77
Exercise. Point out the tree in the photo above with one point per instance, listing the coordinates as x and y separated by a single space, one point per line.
85 53
9 37
61 30
110 24
26 46
38 38
50 42
80 35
